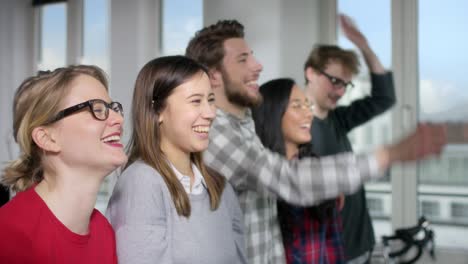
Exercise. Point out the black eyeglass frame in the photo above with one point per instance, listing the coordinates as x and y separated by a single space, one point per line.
337 82
115 106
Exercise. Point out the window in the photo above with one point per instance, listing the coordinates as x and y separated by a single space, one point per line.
430 209
459 211
53 48
180 24
96 52
385 134
375 206
376 26
96 33
442 98
369 136
53 36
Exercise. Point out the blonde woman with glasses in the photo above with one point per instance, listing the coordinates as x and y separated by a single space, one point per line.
68 130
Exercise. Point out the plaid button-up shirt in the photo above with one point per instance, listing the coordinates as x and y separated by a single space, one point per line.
259 176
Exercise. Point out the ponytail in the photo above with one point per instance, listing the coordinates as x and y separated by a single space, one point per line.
22 173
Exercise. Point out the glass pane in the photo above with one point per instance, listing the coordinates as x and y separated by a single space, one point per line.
96 33
180 24
443 183
96 52
53 36
376 26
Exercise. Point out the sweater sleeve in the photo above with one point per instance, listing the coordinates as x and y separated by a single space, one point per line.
360 111
138 214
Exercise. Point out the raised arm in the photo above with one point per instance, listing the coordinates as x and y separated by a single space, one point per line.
382 95
357 38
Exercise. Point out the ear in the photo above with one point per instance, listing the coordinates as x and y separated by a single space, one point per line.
44 139
161 117
310 74
216 78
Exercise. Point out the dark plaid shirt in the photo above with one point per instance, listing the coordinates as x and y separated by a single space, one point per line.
309 238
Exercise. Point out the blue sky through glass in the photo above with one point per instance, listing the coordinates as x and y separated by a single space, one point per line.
443 60
442 38
375 25
181 19
96 33
53 42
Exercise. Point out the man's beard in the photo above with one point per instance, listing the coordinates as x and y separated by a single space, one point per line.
236 94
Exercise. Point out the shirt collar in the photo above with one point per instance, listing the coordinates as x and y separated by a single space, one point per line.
198 183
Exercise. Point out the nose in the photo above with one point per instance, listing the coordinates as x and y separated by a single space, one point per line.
256 65
115 118
209 111
340 90
308 113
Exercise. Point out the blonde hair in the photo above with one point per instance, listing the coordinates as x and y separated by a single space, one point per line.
36 102
154 84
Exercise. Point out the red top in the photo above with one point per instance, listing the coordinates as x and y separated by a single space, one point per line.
30 233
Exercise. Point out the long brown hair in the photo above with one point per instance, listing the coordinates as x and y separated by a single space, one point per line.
155 83
36 101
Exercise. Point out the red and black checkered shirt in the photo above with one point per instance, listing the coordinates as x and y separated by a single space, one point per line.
309 237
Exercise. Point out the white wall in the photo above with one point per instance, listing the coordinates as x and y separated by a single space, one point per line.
16 63
281 33
134 42
262 27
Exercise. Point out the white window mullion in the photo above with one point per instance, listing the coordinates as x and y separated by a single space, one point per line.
37 33
74 31
405 68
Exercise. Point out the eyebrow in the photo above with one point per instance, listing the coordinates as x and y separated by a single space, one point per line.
199 95
193 95
243 54
296 99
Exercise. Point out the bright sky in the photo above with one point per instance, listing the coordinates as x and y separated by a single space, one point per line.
442 39
180 24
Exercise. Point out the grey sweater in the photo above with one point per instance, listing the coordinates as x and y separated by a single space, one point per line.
149 230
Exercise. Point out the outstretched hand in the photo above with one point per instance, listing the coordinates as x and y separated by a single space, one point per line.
352 32
425 141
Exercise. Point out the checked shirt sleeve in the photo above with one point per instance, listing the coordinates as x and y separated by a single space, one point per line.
239 155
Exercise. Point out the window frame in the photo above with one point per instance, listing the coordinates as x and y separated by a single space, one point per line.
405 67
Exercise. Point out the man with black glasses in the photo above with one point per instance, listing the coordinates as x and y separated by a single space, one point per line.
328 71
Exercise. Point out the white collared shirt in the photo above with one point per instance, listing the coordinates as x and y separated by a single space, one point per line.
198 183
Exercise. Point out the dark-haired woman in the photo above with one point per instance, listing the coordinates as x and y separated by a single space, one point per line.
283 121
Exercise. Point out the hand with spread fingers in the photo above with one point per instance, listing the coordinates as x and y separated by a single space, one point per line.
352 32
425 141
354 35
